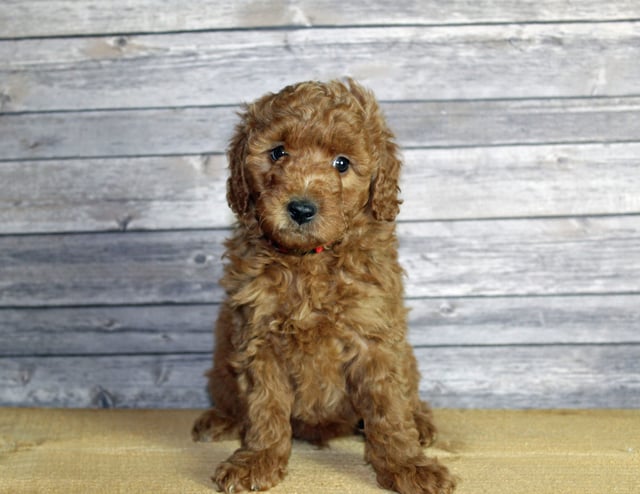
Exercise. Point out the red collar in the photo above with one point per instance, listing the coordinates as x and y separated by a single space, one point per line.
284 250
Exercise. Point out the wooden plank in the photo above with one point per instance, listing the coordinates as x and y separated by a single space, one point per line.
111 269
140 132
454 321
206 130
443 259
20 18
522 257
114 194
141 451
167 381
450 62
179 192
161 329
531 377
467 377
525 320
508 122
521 181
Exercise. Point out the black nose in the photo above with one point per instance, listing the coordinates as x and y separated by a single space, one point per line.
302 211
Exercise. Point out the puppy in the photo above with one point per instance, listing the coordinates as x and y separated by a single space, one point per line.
311 338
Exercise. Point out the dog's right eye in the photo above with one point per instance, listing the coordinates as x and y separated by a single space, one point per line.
341 164
276 153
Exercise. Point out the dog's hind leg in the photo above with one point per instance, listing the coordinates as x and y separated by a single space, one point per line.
424 422
212 425
224 420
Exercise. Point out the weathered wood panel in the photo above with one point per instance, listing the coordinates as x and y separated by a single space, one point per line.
521 181
110 269
453 321
65 17
526 111
532 377
525 320
189 191
114 194
160 329
140 132
145 132
542 256
496 377
444 259
476 62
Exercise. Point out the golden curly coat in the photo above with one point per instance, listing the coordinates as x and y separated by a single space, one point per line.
311 339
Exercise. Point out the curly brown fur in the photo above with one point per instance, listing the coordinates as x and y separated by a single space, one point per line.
311 341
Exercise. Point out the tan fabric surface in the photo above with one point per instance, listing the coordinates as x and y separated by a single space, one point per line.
131 451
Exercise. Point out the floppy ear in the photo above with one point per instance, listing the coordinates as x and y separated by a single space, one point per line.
384 201
383 195
237 187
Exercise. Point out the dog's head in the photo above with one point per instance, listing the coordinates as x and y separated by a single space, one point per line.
308 160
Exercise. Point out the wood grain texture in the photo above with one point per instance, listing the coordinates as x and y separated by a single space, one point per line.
521 181
161 193
443 259
520 127
20 18
139 132
167 329
540 256
159 329
206 130
532 377
107 269
178 192
496 376
567 320
477 62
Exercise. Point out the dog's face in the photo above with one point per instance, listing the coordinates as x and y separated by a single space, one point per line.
306 161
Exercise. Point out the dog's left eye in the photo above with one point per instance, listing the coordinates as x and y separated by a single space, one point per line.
276 153
341 164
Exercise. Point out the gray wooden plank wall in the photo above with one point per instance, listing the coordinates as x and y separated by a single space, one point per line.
520 231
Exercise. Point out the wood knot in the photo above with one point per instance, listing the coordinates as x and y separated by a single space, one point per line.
447 308
102 398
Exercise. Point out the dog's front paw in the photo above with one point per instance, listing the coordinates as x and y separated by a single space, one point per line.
250 471
428 478
213 426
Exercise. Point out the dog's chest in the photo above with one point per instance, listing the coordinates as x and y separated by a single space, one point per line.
317 373
317 339
305 296
316 318
316 307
